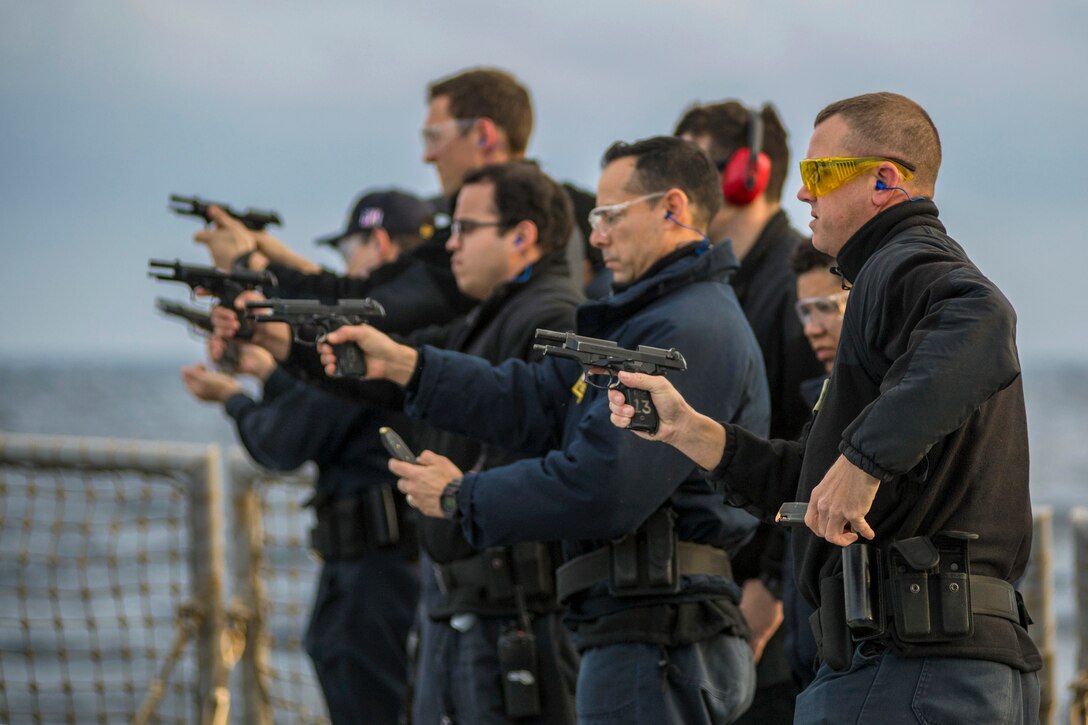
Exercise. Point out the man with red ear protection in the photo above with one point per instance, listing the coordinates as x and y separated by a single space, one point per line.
749 148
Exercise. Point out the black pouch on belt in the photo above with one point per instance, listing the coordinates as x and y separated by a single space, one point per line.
930 587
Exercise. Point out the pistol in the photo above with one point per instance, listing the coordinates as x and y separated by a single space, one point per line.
226 286
595 353
322 319
254 219
201 323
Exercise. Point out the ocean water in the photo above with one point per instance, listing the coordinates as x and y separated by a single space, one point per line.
148 401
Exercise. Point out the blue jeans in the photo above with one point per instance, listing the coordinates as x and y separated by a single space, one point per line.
707 682
880 687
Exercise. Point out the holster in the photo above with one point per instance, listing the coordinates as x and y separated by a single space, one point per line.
649 561
918 590
491 575
349 526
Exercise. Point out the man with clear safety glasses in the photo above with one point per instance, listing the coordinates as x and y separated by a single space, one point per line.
672 648
916 460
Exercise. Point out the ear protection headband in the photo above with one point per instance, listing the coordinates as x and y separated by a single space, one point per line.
748 169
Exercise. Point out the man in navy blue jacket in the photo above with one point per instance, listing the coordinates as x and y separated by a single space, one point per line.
677 652
369 579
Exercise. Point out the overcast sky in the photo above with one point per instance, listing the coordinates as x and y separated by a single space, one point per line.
108 107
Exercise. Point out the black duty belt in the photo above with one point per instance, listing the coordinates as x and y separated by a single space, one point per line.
997 598
350 526
595 567
493 573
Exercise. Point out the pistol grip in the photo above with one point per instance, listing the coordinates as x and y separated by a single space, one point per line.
228 363
645 418
350 362
245 327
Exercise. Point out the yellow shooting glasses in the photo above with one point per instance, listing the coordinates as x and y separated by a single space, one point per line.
822 176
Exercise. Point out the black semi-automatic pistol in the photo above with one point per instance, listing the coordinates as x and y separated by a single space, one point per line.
201 323
319 319
225 286
592 352
254 219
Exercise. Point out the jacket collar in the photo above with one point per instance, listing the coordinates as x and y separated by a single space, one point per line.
672 271
881 229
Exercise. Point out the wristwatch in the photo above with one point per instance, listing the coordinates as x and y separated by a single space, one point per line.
447 501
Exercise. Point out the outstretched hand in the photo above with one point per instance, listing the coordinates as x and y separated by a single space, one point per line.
210 386
385 358
227 238
837 507
668 402
700 438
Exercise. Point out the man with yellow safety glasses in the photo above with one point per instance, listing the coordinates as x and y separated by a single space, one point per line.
915 466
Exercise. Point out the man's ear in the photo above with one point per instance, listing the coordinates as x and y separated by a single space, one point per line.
526 238
677 206
488 134
888 177
388 250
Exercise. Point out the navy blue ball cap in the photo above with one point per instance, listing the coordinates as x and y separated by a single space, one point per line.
392 210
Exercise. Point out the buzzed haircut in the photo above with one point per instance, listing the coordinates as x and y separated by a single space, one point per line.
666 162
805 258
524 192
727 123
489 93
888 124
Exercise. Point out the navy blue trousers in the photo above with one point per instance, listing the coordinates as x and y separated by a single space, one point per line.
358 632
458 679
880 687
707 682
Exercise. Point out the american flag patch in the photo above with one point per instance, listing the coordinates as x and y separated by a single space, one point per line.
371 217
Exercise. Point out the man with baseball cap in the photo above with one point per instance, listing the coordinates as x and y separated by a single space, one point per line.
381 226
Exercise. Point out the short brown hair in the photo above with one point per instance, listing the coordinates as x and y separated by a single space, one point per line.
888 124
727 124
490 93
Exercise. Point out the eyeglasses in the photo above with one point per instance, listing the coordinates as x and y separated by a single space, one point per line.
437 135
822 176
464 227
602 217
824 308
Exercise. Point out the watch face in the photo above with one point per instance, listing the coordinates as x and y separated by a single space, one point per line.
448 500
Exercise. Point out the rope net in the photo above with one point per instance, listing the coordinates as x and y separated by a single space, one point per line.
94 596
288 573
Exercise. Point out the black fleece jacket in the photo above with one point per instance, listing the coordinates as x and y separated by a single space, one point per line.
926 395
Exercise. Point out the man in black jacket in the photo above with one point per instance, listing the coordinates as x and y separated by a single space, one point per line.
510 227
919 445
749 147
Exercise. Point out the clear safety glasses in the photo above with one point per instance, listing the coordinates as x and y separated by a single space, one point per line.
602 218
439 134
821 308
